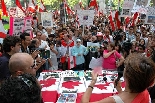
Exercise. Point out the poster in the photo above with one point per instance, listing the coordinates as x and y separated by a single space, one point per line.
5 22
27 25
150 16
140 6
127 7
86 17
16 26
46 19
93 47
13 12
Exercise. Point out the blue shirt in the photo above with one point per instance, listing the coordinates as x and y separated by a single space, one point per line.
4 66
79 50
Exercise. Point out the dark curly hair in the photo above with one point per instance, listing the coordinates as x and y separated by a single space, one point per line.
20 89
139 72
10 41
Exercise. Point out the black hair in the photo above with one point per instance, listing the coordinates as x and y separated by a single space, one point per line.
23 35
10 41
32 45
20 89
1 48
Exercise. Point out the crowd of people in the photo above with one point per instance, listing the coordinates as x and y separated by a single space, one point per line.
65 47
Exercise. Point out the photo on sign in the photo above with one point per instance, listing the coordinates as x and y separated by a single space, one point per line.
151 19
126 11
143 16
47 23
85 17
142 2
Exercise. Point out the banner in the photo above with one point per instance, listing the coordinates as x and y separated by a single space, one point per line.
16 12
150 16
140 6
27 25
46 19
86 17
5 22
127 7
16 26
13 12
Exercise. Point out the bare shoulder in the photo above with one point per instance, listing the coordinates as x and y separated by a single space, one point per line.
106 100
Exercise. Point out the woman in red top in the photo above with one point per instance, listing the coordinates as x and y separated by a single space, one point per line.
110 56
139 74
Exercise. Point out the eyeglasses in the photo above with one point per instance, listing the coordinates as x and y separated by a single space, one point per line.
26 81
35 63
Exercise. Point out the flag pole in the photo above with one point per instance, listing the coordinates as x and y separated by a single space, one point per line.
65 11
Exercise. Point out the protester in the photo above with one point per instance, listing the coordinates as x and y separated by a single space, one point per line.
79 51
11 45
18 65
24 88
112 59
136 66
25 42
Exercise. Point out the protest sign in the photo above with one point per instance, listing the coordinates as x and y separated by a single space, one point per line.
13 12
16 26
126 8
86 17
150 16
27 27
140 6
46 19
5 21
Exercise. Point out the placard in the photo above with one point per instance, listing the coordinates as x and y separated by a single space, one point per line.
140 6
150 16
46 19
86 17
13 12
16 26
27 27
126 8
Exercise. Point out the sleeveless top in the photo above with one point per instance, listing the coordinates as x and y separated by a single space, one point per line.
117 99
142 97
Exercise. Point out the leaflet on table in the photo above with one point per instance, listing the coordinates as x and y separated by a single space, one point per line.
67 98
70 73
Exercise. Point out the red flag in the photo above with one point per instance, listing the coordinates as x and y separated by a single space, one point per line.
111 22
19 5
42 7
127 20
4 8
31 6
118 23
94 4
68 9
135 16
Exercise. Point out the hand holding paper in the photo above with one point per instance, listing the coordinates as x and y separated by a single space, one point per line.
98 70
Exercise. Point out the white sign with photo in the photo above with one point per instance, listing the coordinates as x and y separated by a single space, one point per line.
126 8
150 16
46 18
141 6
86 17
13 12
27 27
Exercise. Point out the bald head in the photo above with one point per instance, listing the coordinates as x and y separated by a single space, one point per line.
21 62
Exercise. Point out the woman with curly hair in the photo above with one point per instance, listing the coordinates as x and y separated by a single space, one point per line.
139 74
20 89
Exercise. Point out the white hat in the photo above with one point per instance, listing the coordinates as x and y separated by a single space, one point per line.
78 40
